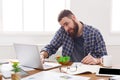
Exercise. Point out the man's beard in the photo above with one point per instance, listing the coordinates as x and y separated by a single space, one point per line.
75 30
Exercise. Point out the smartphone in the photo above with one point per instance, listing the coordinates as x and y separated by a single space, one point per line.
109 72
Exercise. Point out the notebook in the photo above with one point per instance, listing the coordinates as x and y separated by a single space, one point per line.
79 68
29 56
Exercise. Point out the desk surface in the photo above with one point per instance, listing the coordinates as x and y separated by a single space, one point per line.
92 76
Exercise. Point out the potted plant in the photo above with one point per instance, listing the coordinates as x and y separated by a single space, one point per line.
15 71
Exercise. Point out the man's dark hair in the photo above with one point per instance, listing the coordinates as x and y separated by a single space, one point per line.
64 13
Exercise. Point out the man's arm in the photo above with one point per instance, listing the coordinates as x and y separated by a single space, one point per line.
100 47
98 52
44 54
55 43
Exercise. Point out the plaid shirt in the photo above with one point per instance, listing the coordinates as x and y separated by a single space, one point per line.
93 42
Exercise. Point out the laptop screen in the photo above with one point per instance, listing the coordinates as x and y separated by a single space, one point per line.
28 55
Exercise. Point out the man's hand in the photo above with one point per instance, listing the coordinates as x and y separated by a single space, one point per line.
43 55
42 59
91 60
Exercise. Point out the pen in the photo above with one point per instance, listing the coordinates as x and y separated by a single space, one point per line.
89 53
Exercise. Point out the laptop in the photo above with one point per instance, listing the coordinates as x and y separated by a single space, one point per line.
29 56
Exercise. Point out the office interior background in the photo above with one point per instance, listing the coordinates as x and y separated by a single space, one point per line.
35 22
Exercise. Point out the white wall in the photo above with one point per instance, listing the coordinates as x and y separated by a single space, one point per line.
93 12
0 13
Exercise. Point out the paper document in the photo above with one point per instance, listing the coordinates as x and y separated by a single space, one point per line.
78 68
49 75
4 61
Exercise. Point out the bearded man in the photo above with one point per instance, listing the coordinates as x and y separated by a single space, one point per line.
81 42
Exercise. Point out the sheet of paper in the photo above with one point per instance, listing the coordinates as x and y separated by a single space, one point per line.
6 70
48 75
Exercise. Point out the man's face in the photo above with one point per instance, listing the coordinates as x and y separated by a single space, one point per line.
70 26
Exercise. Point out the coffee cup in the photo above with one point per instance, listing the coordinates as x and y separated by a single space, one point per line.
107 61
